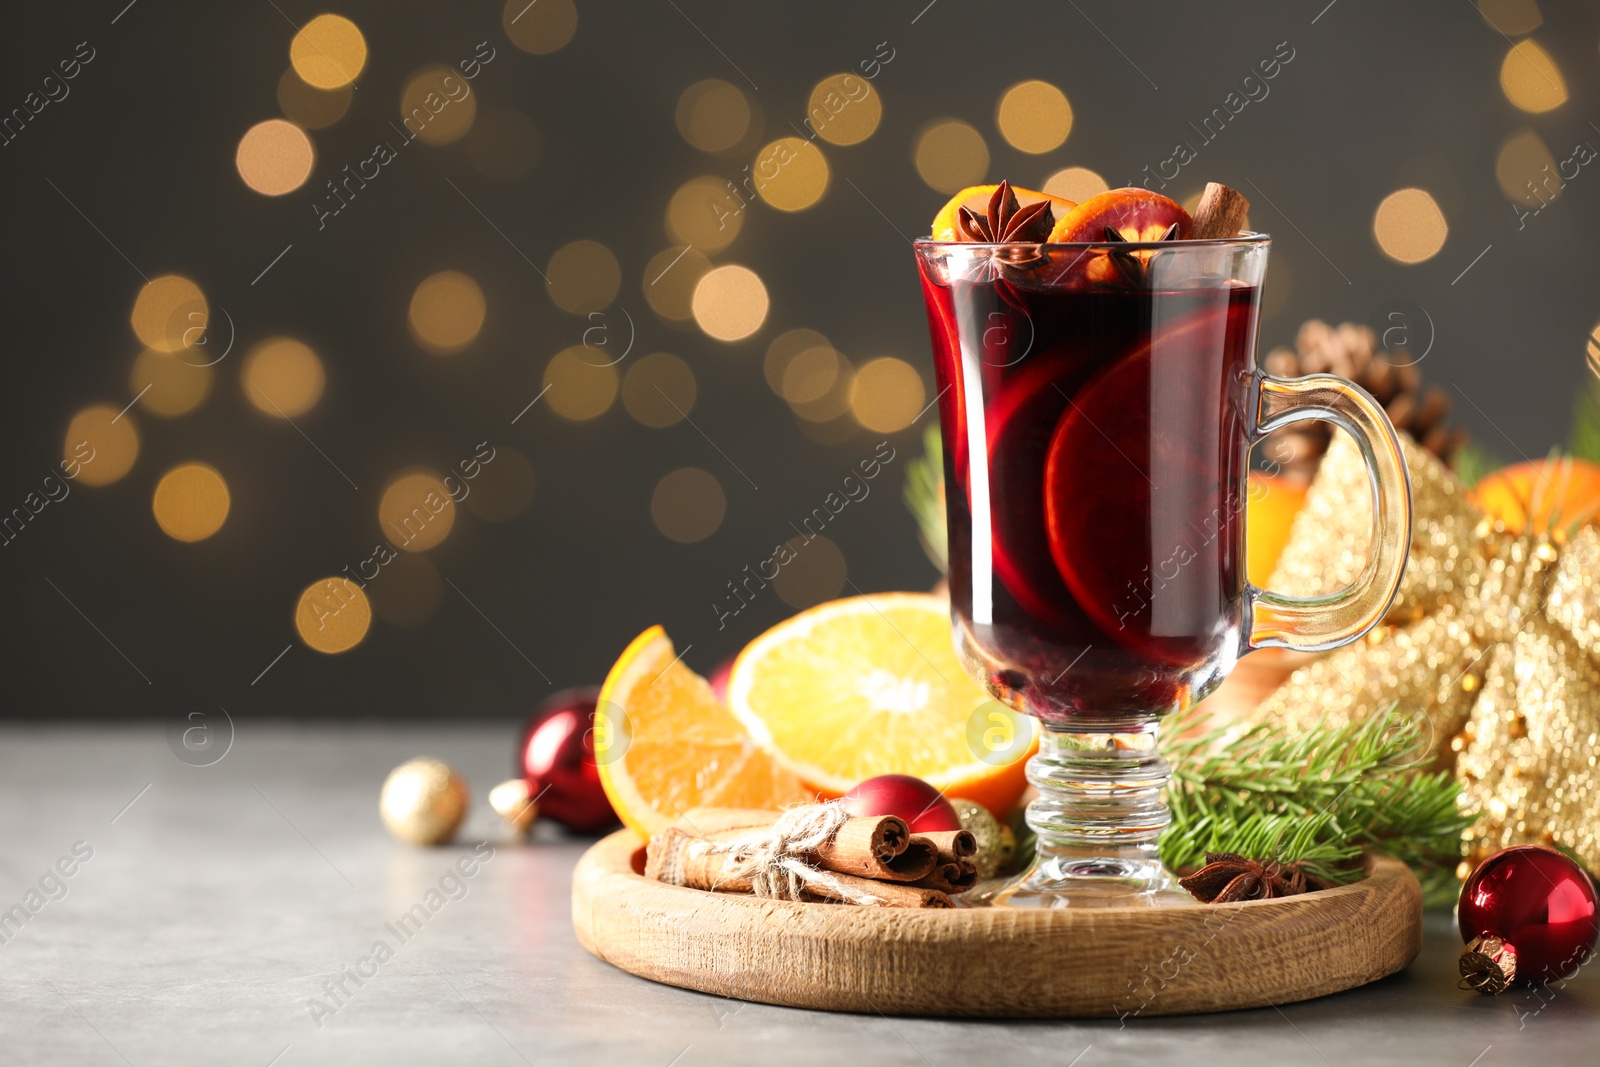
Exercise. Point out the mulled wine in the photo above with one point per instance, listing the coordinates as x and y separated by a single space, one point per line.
1096 445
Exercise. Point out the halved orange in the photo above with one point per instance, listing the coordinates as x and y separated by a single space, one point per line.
976 199
664 743
870 685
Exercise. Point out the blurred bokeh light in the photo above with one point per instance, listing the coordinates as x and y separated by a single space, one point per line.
332 615
102 442
328 52
688 505
582 385
659 390
1034 117
584 277
730 303
713 115
282 377
1409 226
447 311
274 157
951 155
191 502
167 385
417 511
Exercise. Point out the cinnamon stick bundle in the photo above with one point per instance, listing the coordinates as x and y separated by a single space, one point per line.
956 877
817 852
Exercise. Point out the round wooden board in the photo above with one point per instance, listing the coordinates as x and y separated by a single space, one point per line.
1008 962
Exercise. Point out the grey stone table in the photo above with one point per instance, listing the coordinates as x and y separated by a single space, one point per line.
211 913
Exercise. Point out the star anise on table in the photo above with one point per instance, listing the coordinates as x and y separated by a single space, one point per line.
1227 878
1006 222
1134 267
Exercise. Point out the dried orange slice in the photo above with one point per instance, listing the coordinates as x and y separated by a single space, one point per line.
871 685
976 198
664 743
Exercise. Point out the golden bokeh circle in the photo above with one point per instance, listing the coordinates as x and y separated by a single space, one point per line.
730 303
282 377
705 213
669 281
791 174
503 144
887 394
815 573
659 390
580 389
783 349
1034 117
191 502
274 157
950 155
584 277
811 374
503 488
170 313
713 115
102 443
1530 78
332 615
446 312
688 505
416 511
168 385
309 107
539 26
437 105
1075 183
1524 169
835 400
407 591
844 109
328 52
1409 227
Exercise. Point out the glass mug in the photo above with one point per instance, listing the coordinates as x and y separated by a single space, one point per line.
1098 404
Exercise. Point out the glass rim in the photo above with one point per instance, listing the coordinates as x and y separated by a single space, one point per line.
1245 239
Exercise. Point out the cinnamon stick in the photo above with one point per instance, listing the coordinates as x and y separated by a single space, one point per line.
677 857
1220 213
955 877
952 845
879 847
886 894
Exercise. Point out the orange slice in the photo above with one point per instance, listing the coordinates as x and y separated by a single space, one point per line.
871 685
665 744
1137 214
976 198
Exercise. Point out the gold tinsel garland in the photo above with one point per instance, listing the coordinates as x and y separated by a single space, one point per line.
1495 636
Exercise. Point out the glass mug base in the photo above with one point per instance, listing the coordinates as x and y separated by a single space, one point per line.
1097 818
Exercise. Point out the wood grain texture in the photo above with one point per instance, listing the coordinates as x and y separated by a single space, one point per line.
1004 962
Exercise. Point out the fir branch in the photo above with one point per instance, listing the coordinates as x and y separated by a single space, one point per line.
1318 797
924 495
1584 442
1472 462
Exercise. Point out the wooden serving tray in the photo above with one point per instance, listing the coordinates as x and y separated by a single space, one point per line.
996 961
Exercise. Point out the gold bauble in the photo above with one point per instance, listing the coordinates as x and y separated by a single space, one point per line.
995 842
423 801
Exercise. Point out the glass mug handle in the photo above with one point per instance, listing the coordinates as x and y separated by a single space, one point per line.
1314 624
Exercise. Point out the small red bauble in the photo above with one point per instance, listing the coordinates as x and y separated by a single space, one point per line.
556 758
1540 903
922 806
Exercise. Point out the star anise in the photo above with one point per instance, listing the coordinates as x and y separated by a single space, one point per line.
1227 878
1133 266
1019 229
1006 221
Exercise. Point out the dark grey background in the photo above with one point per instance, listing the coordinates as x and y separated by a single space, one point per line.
1378 96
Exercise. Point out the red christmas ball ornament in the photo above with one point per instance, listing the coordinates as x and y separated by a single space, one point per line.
1527 913
924 808
556 759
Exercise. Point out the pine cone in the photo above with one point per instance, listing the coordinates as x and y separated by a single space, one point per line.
1392 378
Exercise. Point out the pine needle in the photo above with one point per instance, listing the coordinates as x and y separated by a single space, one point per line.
1318 797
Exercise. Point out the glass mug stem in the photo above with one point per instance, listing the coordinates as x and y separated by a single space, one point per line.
1100 808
